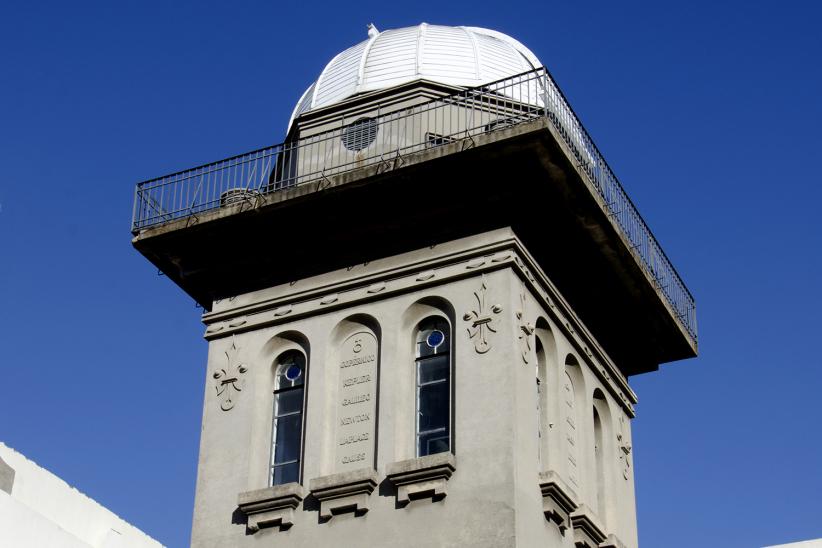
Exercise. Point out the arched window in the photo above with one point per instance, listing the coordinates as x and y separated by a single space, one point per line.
570 421
287 430
541 407
433 387
599 463
602 451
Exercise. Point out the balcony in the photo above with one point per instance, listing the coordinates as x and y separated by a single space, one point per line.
380 137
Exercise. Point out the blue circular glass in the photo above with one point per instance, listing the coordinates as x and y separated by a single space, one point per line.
293 372
435 338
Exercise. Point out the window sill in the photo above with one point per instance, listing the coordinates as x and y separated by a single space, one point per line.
557 500
345 492
423 477
271 506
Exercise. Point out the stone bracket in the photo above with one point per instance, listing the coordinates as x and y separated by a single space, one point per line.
587 530
270 507
612 542
421 478
557 500
344 492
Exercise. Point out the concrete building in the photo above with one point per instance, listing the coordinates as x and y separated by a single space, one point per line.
422 310
38 510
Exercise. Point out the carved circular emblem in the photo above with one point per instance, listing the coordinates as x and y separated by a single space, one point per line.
357 346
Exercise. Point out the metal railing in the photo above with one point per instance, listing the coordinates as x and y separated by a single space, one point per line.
347 144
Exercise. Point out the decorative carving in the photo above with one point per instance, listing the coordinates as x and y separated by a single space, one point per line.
213 328
328 299
427 275
356 402
476 263
237 322
624 449
502 256
376 288
228 378
526 330
482 320
283 310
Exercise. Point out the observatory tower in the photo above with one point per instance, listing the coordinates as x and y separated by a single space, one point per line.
422 310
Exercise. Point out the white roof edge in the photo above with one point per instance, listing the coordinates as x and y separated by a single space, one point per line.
527 53
309 89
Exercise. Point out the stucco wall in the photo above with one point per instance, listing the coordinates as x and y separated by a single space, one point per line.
494 497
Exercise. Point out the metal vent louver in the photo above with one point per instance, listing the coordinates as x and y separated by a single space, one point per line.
360 134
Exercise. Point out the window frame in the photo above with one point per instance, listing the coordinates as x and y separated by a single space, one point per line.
430 324
284 360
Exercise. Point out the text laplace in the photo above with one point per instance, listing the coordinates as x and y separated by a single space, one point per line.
354 438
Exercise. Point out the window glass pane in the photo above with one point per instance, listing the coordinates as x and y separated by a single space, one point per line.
433 369
291 371
288 401
285 473
430 444
433 406
287 438
432 338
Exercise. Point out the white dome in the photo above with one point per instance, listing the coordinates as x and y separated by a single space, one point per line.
459 56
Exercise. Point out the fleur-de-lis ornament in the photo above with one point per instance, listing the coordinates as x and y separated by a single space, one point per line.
227 379
482 320
525 330
624 450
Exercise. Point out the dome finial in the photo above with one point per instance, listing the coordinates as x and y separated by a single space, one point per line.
372 30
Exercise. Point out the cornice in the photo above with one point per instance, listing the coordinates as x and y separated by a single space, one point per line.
366 283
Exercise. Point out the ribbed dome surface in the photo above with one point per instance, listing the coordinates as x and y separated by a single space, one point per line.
461 56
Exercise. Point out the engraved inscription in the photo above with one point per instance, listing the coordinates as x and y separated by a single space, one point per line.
357 361
356 380
570 428
354 419
354 438
356 399
356 402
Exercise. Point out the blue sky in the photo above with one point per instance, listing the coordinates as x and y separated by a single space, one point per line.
709 112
